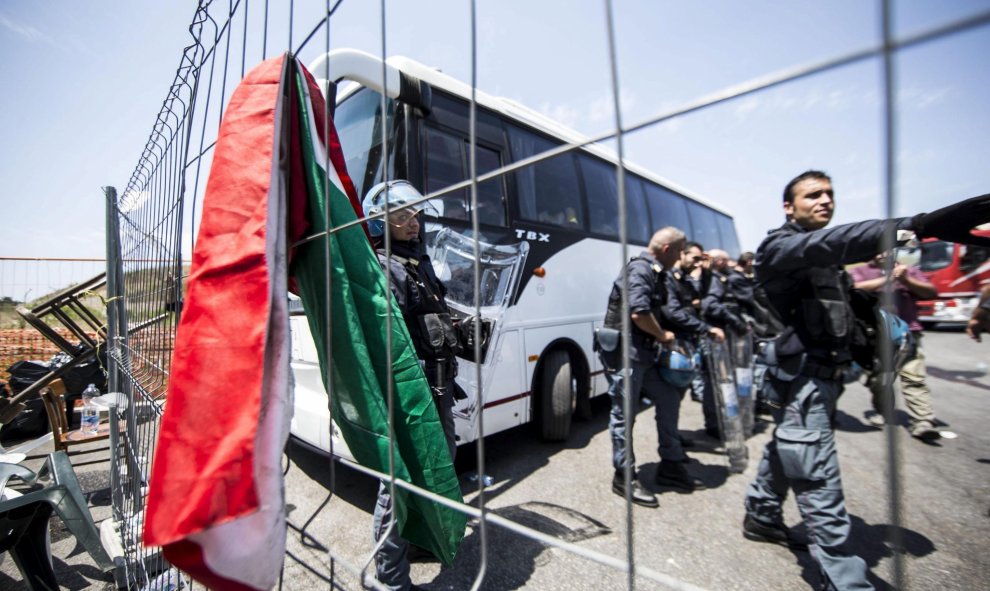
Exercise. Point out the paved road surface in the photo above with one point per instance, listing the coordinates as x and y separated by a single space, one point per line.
564 491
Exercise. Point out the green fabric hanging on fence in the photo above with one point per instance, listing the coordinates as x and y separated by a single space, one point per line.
359 362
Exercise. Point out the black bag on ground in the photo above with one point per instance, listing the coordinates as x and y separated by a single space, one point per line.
32 421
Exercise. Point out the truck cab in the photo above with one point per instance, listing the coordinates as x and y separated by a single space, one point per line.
958 272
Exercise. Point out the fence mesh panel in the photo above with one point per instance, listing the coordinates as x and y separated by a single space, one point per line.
153 223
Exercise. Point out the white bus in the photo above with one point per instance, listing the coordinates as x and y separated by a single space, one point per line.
548 238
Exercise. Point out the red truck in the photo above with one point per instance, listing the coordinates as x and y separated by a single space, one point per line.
958 272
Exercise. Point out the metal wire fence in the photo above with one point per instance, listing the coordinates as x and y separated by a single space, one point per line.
26 281
152 227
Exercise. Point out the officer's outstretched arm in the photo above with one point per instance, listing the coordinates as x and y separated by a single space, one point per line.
841 245
954 223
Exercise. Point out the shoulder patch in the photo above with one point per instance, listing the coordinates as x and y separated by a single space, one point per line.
656 268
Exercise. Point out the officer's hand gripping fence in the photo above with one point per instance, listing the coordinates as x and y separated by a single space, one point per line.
152 217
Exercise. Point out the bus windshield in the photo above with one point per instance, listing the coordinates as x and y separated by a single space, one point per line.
935 255
499 267
358 120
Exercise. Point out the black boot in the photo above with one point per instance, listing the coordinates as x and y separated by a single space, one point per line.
640 495
758 531
674 474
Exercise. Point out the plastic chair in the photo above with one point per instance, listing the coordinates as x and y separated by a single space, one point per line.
24 520
62 436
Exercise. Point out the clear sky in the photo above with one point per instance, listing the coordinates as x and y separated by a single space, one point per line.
83 82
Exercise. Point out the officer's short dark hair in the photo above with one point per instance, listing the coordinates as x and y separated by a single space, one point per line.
746 258
691 244
808 174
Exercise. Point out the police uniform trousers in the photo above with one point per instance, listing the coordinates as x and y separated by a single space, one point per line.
391 559
644 379
802 456
914 389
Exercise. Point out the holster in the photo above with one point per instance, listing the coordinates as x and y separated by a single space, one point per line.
608 344
784 356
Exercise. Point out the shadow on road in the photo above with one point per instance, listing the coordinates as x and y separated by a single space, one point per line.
510 457
959 376
872 543
850 424
513 558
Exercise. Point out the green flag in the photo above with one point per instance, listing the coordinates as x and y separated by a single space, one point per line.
359 364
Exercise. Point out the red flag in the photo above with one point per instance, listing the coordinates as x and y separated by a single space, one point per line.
215 500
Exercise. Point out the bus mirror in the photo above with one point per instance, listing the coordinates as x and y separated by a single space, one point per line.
329 90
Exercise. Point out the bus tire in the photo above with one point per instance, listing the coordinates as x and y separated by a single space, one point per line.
558 396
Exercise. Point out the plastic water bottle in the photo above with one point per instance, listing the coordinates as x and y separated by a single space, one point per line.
90 412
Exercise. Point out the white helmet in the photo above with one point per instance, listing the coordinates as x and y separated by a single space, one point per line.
397 194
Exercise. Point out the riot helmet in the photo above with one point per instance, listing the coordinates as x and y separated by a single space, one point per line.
678 363
396 193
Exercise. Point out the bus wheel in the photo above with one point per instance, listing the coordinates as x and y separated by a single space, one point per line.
557 396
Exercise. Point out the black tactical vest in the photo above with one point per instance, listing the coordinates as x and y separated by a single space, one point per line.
613 314
426 314
815 303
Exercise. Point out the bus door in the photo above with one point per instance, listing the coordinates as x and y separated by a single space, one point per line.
500 268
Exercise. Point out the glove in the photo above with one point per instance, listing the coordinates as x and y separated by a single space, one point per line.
953 223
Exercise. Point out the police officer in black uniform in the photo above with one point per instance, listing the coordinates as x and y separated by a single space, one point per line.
420 296
741 278
800 267
720 305
758 313
644 277
682 313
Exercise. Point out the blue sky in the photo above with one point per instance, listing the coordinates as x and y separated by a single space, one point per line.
83 83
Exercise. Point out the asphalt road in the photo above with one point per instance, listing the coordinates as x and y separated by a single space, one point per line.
563 490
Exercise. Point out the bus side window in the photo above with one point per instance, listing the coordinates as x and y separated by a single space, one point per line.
603 198
548 191
491 194
446 165
637 213
668 209
704 226
730 242
972 257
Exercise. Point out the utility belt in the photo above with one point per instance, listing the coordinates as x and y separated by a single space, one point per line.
824 371
609 339
788 367
608 345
